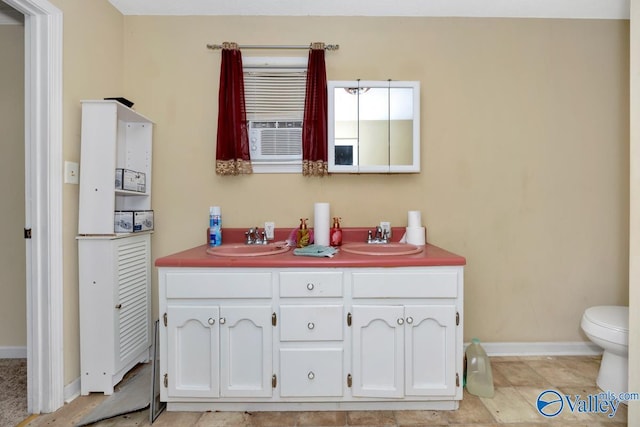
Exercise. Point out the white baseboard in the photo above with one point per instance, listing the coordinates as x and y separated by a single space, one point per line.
72 390
579 348
13 352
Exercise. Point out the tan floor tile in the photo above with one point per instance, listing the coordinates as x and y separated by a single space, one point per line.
272 419
519 374
420 418
70 413
322 419
371 418
499 380
586 366
560 375
508 406
177 419
471 411
223 419
135 419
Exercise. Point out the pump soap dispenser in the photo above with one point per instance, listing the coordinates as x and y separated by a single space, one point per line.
336 232
303 234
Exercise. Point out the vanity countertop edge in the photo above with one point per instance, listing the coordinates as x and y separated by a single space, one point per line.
198 257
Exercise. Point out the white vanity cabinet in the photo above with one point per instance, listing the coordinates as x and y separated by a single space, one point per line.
218 335
311 338
406 338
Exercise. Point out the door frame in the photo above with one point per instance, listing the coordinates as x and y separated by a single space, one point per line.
43 203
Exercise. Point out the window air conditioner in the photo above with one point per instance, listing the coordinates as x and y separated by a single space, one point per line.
275 140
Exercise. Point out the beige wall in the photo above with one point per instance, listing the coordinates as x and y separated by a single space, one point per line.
524 156
92 69
524 150
13 303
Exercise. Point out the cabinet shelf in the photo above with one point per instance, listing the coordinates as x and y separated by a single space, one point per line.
130 193
113 137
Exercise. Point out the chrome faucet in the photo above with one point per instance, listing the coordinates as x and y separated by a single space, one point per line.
381 236
255 237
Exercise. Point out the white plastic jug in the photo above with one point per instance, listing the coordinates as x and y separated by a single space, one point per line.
479 376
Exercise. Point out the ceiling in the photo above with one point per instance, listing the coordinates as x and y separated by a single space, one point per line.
575 9
570 9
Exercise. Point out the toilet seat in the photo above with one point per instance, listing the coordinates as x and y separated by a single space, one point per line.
607 322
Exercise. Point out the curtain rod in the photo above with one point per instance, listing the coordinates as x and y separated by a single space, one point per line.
257 46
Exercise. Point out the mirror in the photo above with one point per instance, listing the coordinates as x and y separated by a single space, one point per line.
374 126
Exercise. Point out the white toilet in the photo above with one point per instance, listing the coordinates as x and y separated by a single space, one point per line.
608 327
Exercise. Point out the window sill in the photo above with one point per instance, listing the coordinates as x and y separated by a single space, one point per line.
273 167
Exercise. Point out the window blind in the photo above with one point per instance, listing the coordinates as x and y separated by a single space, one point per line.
274 94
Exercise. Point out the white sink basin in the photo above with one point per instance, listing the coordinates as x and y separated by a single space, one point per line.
385 249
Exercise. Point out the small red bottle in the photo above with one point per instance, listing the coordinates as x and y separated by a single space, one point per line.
336 232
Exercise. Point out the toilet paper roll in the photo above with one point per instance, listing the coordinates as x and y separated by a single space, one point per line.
414 219
321 223
416 235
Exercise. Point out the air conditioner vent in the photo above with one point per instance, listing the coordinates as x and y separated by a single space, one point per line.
274 140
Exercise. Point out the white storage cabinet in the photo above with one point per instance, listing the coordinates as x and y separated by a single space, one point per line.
311 339
114 269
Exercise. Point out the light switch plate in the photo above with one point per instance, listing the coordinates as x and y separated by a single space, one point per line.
71 171
269 228
386 226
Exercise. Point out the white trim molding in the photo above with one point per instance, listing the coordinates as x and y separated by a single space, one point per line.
566 9
13 352
43 187
523 349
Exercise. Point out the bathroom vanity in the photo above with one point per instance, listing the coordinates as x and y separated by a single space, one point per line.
287 332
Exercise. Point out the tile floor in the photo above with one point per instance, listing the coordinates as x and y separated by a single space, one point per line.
518 382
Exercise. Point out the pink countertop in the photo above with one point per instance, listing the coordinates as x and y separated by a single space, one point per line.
198 257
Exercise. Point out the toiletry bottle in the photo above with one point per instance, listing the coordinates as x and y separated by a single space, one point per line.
336 232
215 226
303 234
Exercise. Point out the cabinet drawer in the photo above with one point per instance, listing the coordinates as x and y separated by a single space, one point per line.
433 283
311 284
218 285
311 322
311 372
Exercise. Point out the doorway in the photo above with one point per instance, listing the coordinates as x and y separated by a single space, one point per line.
43 202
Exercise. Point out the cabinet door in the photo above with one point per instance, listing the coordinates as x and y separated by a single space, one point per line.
378 347
430 352
133 305
193 368
246 351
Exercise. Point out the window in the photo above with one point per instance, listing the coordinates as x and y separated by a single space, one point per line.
274 100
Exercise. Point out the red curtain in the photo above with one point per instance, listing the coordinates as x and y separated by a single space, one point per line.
232 148
314 126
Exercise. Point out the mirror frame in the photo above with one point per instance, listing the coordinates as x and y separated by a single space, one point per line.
333 168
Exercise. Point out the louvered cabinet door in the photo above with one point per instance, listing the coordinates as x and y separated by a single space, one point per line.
115 308
133 305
